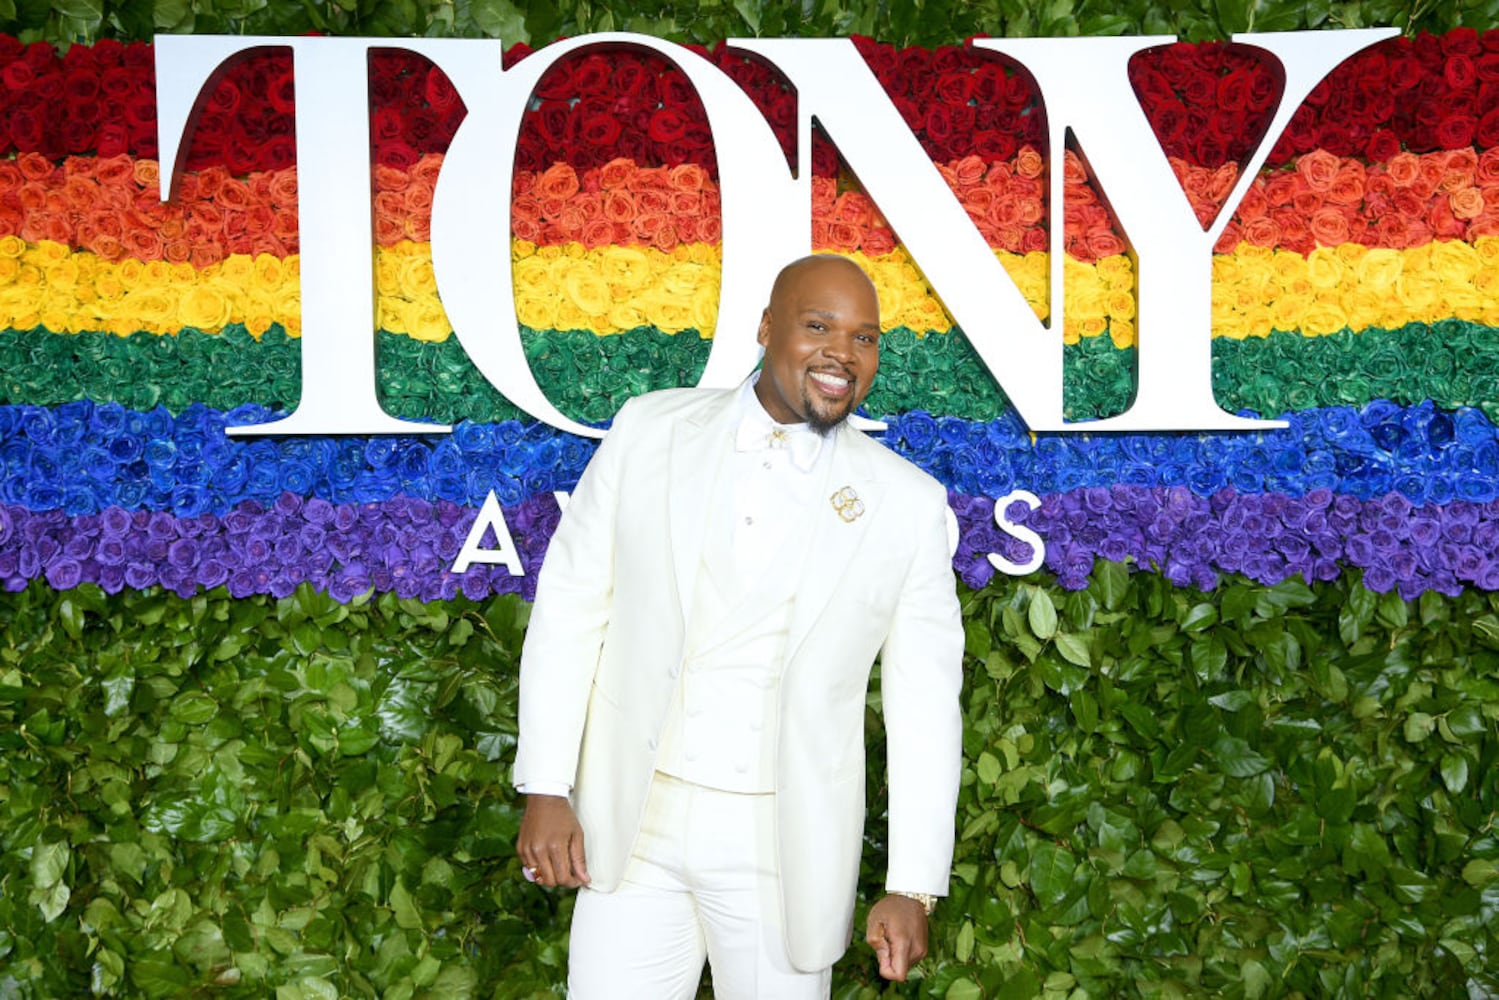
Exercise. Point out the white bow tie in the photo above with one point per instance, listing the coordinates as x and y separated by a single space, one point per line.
756 433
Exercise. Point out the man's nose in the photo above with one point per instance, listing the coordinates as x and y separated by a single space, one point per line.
840 348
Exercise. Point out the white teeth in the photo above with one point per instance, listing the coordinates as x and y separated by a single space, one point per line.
830 380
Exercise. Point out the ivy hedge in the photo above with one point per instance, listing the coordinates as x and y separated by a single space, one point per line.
1250 792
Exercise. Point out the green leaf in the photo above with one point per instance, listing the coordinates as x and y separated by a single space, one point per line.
1232 701
1454 772
1074 649
83 10
1111 581
500 19
1237 758
1418 726
1042 615
1050 872
1480 872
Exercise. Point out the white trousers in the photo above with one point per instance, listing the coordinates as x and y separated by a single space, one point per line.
702 883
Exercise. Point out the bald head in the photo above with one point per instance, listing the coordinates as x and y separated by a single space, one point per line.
820 266
821 334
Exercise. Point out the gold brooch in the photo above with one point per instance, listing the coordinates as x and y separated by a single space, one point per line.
847 503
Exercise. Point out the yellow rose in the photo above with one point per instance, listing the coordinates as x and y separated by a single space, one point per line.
1453 262
390 313
258 321
266 271
1486 281
1120 305
1324 268
1323 316
1365 308
627 315
1287 311
12 246
520 249
426 321
387 274
704 308
587 290
1122 333
204 306
417 278
237 268
1418 294
535 310
155 309
1486 247
46 253
626 268
1379 269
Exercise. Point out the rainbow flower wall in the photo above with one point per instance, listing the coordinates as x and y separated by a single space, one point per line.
1356 294
255 734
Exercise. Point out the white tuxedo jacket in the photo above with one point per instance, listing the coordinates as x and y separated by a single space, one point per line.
605 644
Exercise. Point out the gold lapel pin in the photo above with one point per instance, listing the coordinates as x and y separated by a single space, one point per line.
847 503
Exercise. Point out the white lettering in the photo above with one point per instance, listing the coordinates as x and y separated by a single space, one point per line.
491 517
334 217
1019 531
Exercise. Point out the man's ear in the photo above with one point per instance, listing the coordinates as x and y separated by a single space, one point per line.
762 336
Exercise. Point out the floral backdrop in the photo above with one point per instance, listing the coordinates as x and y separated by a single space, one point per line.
1356 295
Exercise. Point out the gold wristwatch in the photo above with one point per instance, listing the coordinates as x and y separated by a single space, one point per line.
927 900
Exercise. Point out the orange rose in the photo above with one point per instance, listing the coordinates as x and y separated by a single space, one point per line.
1487 170
824 193
653 201
688 177
33 197
878 241
417 199
852 208
619 206
1034 240
571 221
665 237
969 170
260 186
1329 226
390 213
1028 162
113 170
1262 231
1466 203
387 178
1459 162
1222 182
232 194
58 229
425 170
1318 169
35 167
528 209
1307 202
1103 243
389 229
557 181
284 188
843 237
1280 189
1348 186
211 181
617 173
820 233
205 254
686 202
551 207
1073 171
1029 211
598 233
147 173
172 227
142 244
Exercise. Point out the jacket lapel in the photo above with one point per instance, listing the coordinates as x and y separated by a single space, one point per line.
700 444
835 538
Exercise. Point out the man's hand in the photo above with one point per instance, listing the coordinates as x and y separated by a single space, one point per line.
551 843
897 933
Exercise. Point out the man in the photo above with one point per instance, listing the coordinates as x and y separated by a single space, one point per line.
695 670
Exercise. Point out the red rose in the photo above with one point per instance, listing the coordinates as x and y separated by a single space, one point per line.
591 75
989 83
632 82
557 83
551 121
993 145
1456 131
939 123
1461 41
677 91
667 125
1384 144
279 152
397 154
17 76
1406 71
955 87
600 129
1459 72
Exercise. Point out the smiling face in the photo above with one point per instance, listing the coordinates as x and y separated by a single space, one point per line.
821 334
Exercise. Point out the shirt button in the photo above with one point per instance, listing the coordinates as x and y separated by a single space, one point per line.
766 465
749 520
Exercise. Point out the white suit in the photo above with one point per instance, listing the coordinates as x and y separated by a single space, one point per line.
605 647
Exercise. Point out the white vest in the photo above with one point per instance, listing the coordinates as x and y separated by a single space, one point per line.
721 727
